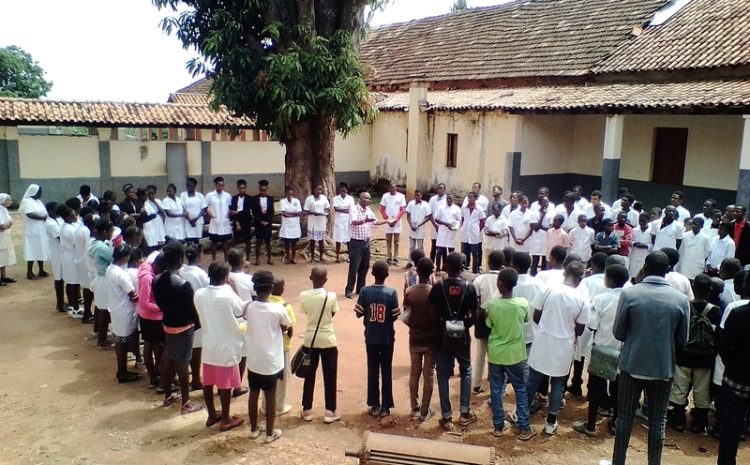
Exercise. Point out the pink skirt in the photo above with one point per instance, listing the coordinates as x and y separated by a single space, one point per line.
221 377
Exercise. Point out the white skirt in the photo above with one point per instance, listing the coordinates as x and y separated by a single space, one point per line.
124 320
83 275
7 251
316 234
55 259
198 339
341 232
69 269
99 287
153 232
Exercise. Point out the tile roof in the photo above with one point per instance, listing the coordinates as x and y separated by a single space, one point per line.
47 112
190 98
519 39
698 95
704 34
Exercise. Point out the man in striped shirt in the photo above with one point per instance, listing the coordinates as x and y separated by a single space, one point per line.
363 219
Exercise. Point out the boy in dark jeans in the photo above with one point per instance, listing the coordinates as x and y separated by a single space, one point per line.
454 303
378 306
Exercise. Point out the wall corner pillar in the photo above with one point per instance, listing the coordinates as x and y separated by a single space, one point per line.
418 169
612 153
105 160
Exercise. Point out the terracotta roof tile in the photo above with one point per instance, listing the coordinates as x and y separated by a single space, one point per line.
520 39
703 34
703 95
47 112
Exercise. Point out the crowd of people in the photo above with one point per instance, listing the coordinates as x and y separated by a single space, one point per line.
650 302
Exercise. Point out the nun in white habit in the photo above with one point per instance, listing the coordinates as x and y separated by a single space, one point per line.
7 252
35 245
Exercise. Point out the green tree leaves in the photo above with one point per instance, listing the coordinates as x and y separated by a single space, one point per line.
20 75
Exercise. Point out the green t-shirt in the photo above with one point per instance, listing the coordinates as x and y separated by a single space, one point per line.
505 318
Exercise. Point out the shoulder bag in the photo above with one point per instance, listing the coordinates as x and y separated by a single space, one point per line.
454 333
301 365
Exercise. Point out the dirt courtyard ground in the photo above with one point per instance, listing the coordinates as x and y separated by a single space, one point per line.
62 405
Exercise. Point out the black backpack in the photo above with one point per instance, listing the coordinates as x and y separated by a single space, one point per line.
702 332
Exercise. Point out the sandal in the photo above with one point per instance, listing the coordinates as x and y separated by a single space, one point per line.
239 392
213 420
171 400
233 423
191 407
128 377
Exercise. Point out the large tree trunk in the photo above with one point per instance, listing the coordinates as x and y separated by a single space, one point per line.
310 158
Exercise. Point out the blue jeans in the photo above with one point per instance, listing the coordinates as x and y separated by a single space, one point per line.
445 362
555 395
497 389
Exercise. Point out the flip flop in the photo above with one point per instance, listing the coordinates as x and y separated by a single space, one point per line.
191 407
239 392
235 422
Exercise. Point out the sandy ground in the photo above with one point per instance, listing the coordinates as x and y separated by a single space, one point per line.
62 405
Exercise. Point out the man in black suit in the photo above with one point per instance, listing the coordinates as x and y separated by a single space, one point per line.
241 214
263 217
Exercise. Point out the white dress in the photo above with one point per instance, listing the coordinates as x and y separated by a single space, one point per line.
83 240
290 226
446 237
538 239
35 244
193 205
7 251
69 255
153 231
342 222
198 279
123 312
174 227
218 205
54 227
317 225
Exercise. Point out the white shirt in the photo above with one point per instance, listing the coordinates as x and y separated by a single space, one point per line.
486 286
528 287
418 212
319 205
264 341
721 249
602 318
632 216
551 277
581 240
581 204
343 202
554 345
571 220
290 226
436 203
194 205
393 204
728 296
521 223
589 210
497 225
482 202
680 283
538 240
446 236
85 203
243 284
592 286
123 312
694 251
195 275
667 236
683 214
535 206
219 309
471 231
174 227
218 206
